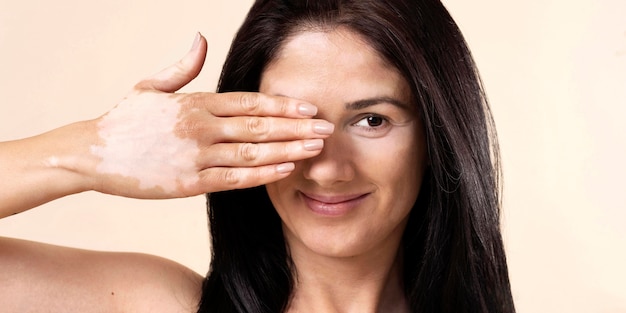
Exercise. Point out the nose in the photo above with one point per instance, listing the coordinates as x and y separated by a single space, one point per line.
333 165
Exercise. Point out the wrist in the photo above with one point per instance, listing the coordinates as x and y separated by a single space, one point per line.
65 159
42 168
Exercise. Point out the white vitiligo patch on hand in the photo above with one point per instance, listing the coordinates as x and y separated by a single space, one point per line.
139 141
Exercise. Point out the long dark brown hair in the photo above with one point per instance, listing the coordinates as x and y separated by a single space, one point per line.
454 259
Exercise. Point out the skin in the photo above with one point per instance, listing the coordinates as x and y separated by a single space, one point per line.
200 142
345 210
346 262
39 277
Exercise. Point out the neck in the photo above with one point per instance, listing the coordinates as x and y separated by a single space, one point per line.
367 283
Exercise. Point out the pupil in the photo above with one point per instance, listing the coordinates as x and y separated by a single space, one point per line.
374 121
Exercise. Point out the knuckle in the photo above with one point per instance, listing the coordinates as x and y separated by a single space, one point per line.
231 177
284 107
302 128
287 151
249 102
248 151
181 69
258 126
190 126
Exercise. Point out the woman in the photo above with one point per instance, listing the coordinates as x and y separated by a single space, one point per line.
391 208
399 83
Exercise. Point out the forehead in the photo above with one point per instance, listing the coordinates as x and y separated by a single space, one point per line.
337 44
332 61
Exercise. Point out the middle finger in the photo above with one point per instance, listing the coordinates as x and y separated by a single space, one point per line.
267 129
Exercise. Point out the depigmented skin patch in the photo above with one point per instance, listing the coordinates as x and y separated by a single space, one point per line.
52 161
139 141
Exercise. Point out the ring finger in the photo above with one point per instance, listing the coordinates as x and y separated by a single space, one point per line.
258 154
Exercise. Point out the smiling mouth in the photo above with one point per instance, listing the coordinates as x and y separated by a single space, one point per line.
332 205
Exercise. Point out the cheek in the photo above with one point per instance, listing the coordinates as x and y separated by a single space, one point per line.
273 191
282 195
396 159
395 166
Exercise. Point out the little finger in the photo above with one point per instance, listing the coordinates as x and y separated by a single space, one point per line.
228 178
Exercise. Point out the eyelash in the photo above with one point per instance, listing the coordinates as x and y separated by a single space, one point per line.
384 123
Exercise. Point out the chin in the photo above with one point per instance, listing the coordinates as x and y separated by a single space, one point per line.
332 241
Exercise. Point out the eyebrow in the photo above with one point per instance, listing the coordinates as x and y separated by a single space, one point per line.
365 103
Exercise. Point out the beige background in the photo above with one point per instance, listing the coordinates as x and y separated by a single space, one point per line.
555 72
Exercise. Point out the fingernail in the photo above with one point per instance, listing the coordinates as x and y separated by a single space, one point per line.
314 144
285 168
196 41
307 109
323 128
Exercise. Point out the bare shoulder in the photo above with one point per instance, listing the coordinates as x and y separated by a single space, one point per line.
38 277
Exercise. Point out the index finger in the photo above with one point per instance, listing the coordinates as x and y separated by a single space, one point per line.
252 104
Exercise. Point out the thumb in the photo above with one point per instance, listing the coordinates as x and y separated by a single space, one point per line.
181 73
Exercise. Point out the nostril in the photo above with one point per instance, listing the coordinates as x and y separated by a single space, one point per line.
326 169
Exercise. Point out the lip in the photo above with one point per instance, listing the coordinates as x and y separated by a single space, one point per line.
332 205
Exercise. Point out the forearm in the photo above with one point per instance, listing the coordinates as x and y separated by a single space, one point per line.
42 168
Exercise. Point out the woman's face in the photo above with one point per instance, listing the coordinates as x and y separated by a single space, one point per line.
355 196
